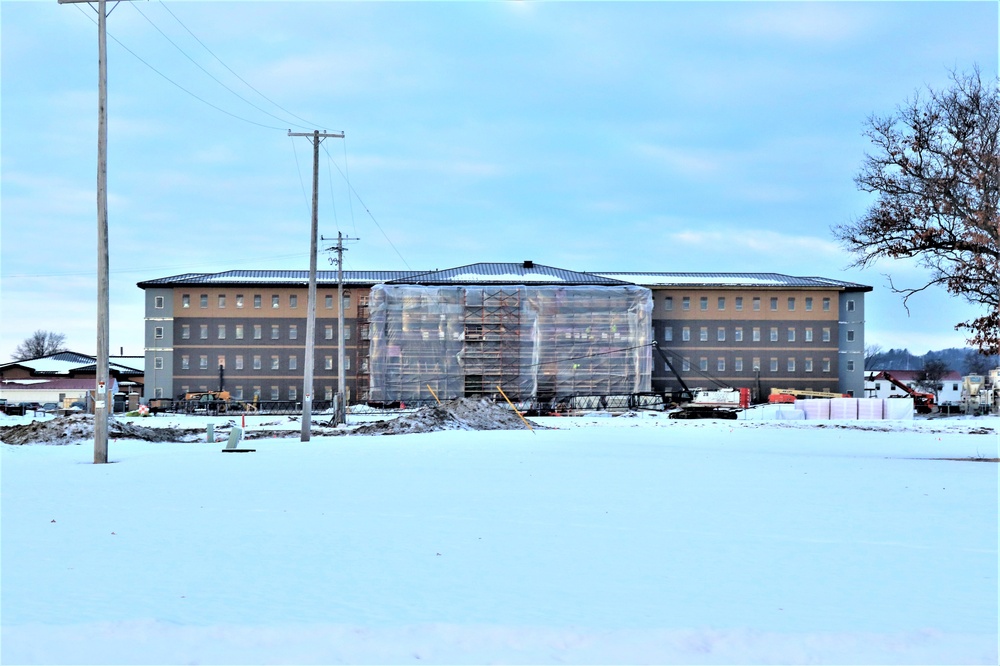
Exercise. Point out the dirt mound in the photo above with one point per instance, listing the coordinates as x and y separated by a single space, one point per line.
461 414
80 427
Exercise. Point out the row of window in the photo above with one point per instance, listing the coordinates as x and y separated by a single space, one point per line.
256 393
257 330
755 365
256 362
791 334
755 303
258 301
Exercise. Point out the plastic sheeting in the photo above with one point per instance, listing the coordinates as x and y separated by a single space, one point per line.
536 342
870 409
815 409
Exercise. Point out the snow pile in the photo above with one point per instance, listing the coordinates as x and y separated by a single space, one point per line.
460 414
78 428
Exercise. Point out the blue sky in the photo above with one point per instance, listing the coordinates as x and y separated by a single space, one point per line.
651 136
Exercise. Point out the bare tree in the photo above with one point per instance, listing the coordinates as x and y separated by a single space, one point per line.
978 364
873 356
38 344
936 171
931 376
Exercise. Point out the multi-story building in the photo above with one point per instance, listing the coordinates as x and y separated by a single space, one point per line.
247 329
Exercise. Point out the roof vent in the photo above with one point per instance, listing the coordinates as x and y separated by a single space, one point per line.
529 264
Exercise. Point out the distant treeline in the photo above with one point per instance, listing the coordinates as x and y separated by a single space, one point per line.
964 361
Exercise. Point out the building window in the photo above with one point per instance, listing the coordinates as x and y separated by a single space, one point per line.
293 362
774 364
185 331
221 361
756 303
738 364
826 365
809 303
703 364
275 301
720 333
239 300
703 303
826 303
256 362
686 303
186 300
203 331
185 362
756 363
293 393
756 334
791 334
850 366
203 300
328 301
774 334
850 305
158 302
239 361
328 393
809 365
158 363
738 334
275 363
365 331
720 365
275 331
328 332
257 331
668 333
222 301
275 393
203 362
158 392
722 302
850 336
347 332
774 304
158 332
256 393
347 363
222 331
739 304
703 334
293 301
347 299
791 365
668 303
328 363
686 333
293 332
791 304
685 364
826 335
256 302
809 335
239 331
238 393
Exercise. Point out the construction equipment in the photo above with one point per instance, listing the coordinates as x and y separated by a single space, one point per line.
923 403
979 393
783 395
725 403
210 402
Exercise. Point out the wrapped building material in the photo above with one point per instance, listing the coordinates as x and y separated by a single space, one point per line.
844 409
536 342
816 409
870 409
899 409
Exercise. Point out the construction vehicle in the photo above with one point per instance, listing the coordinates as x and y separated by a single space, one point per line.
981 394
923 402
723 403
781 395
212 402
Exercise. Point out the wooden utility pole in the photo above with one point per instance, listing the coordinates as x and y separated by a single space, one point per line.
309 361
341 416
103 402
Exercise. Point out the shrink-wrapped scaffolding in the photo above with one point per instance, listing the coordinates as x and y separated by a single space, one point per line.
899 409
870 409
816 409
844 409
536 342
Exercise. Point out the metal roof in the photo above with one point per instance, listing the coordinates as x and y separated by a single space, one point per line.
504 273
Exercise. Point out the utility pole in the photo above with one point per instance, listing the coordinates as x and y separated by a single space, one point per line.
309 361
341 416
103 402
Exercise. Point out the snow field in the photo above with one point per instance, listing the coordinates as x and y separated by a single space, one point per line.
625 540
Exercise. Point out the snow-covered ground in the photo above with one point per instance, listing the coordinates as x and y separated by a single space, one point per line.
609 540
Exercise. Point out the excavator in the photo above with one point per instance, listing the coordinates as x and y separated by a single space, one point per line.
923 402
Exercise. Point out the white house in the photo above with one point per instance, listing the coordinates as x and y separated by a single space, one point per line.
951 385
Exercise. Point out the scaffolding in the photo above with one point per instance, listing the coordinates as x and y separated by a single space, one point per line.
536 342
